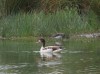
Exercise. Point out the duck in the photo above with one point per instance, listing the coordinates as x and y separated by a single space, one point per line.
49 49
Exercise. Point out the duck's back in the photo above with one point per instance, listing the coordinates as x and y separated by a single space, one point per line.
55 48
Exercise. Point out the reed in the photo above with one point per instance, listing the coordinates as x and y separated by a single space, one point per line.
40 24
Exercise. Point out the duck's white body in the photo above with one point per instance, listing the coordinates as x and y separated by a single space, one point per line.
50 49
43 49
49 55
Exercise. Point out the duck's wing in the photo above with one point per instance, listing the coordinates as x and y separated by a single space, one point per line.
53 47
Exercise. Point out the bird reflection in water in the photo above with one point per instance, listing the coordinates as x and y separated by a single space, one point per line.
48 59
50 56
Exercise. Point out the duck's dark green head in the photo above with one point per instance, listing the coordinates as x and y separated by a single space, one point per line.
42 40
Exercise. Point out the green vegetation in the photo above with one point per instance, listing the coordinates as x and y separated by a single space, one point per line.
35 24
17 19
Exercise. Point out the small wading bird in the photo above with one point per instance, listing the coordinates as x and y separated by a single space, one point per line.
59 35
48 48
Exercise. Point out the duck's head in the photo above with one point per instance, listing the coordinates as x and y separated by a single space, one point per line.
42 40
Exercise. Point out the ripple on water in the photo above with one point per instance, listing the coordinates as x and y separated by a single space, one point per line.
7 67
90 70
26 51
48 64
36 51
15 51
75 51
64 51
6 73
56 72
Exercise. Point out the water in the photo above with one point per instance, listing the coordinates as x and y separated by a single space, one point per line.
23 57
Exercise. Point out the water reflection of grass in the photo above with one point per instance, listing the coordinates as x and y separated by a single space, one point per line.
29 44
83 46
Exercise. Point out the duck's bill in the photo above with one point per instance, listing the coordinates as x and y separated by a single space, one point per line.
38 41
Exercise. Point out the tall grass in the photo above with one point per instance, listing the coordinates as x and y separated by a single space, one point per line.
2 8
39 24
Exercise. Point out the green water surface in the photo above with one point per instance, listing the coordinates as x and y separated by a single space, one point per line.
23 57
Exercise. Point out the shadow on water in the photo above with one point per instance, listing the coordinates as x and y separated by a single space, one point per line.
23 57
